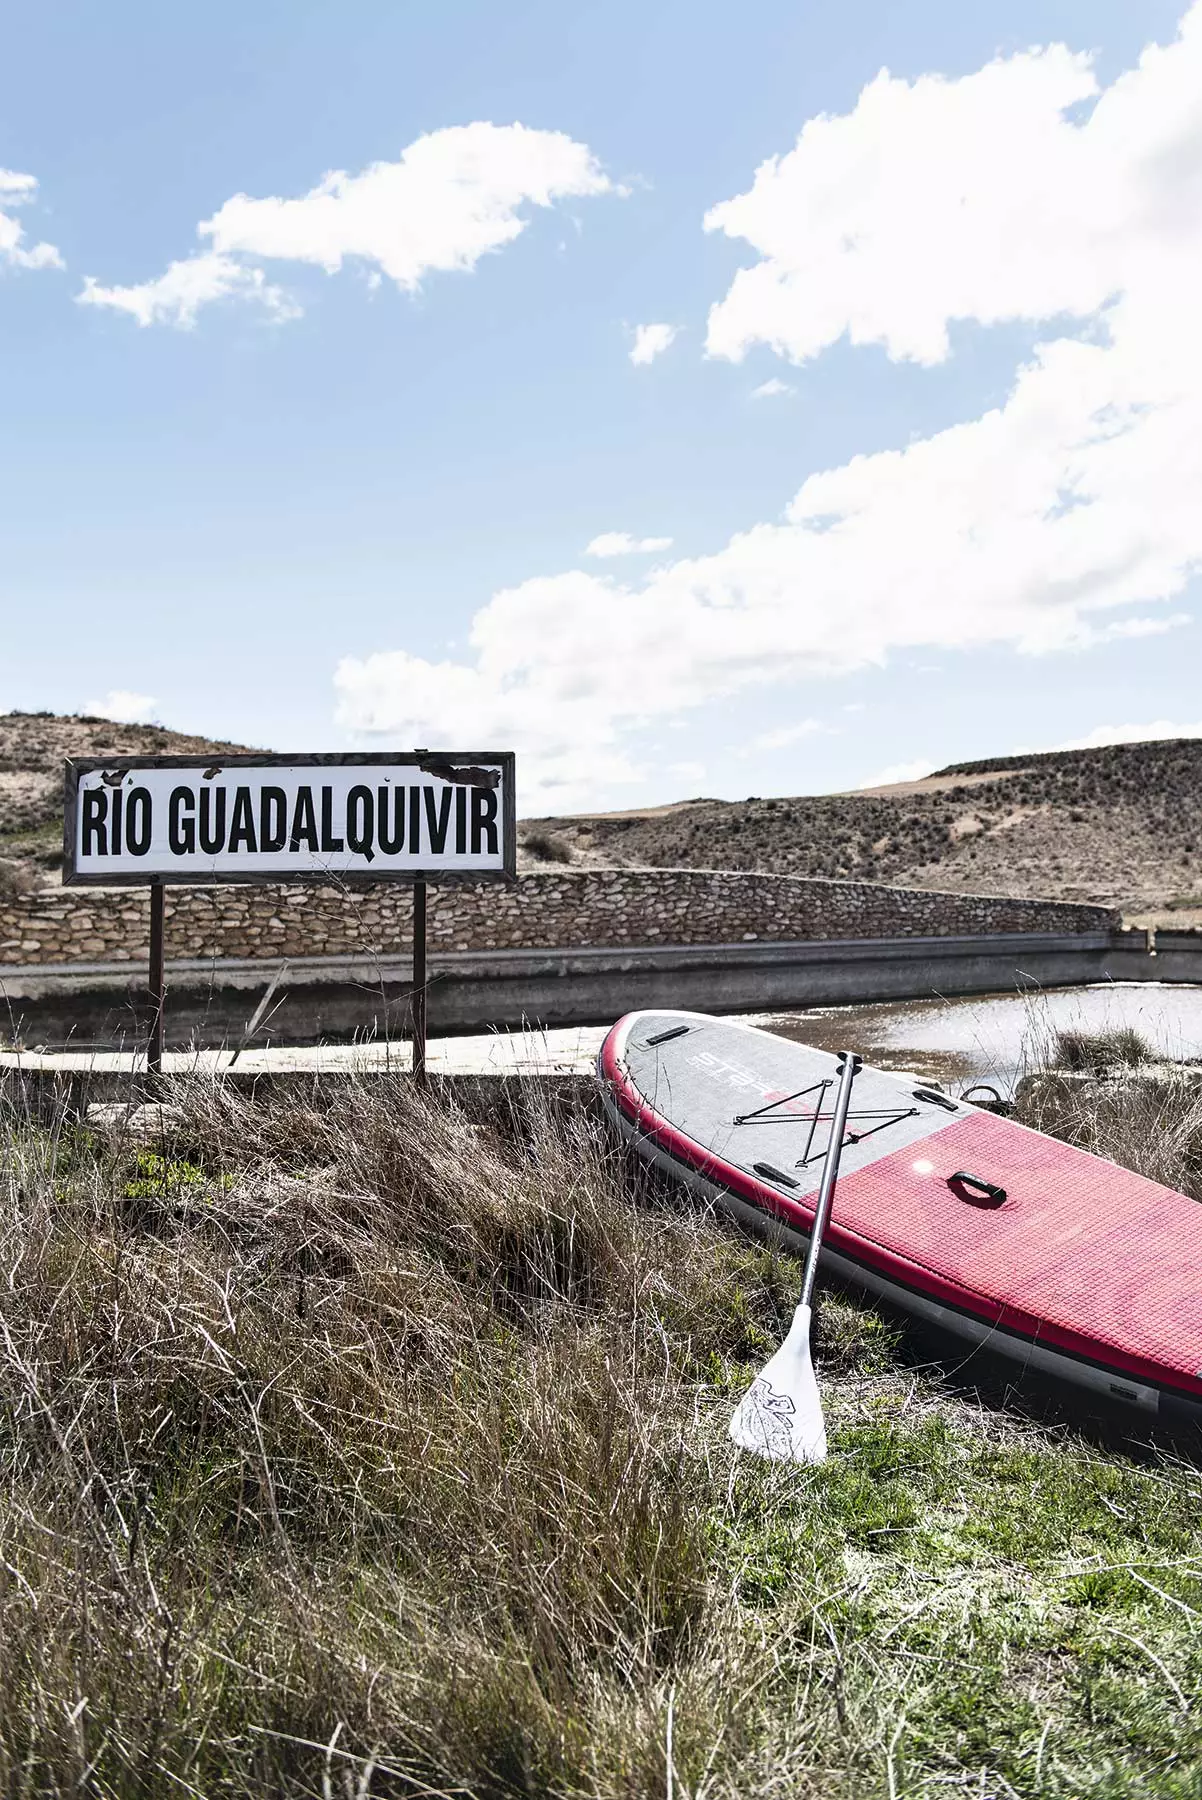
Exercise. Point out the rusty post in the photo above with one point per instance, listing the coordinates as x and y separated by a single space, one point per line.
158 981
418 997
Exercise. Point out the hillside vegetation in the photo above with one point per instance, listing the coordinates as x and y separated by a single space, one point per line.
377 1449
33 747
1121 825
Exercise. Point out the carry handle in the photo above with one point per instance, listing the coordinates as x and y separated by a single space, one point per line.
977 1188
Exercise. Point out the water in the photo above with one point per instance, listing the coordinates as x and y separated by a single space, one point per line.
994 1037
987 1038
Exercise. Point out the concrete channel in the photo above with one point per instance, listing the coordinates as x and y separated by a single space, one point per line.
344 999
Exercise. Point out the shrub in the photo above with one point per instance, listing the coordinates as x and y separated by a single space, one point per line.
1097 1052
547 845
16 880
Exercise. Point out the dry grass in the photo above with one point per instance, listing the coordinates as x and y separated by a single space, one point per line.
1101 1052
1099 1091
375 1449
545 846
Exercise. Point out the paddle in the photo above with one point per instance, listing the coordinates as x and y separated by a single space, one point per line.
780 1415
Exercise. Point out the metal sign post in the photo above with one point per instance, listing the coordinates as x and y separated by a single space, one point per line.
158 980
416 816
419 982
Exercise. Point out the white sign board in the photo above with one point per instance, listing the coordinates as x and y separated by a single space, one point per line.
419 816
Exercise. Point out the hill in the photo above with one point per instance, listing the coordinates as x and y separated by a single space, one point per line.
32 749
1120 825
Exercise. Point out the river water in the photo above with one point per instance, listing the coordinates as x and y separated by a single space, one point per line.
988 1038
995 1037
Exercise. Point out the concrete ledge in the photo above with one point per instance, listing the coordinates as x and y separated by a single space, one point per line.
255 972
337 999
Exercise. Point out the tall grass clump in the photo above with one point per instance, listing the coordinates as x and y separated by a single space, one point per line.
377 1447
1101 1052
1105 1092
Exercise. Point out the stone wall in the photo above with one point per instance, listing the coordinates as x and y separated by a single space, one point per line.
565 909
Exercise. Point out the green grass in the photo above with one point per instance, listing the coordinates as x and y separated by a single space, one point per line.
375 1450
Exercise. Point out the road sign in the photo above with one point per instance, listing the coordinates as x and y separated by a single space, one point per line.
417 817
410 817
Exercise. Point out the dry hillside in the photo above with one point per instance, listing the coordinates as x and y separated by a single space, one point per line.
32 749
1122 825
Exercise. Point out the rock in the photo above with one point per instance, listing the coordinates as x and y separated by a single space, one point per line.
146 1123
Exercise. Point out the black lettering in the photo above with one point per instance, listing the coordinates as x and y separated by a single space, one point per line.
212 820
484 819
460 820
328 840
392 841
95 831
415 821
304 821
115 819
360 822
181 830
273 818
138 822
242 823
438 824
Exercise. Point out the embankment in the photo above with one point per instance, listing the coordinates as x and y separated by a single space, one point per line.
565 910
570 947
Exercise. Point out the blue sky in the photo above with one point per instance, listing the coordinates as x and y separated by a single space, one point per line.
279 522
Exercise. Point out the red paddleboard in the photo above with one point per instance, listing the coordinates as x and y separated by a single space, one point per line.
1008 1239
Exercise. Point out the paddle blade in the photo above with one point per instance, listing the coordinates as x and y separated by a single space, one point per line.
780 1416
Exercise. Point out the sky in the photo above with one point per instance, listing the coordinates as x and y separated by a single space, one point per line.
694 399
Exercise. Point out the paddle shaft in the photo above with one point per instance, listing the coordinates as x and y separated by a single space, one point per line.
848 1070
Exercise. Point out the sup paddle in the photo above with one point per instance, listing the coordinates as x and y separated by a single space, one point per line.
780 1415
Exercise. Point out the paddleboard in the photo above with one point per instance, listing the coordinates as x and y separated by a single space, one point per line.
1007 1239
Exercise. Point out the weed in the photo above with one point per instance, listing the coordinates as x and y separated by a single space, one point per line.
1098 1052
372 1448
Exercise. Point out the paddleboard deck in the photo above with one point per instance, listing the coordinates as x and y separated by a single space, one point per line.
1008 1239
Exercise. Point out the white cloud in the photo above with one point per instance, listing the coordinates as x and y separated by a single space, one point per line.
620 543
768 390
452 196
922 205
651 341
893 773
1064 515
1140 628
124 707
176 296
1102 735
784 737
19 190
